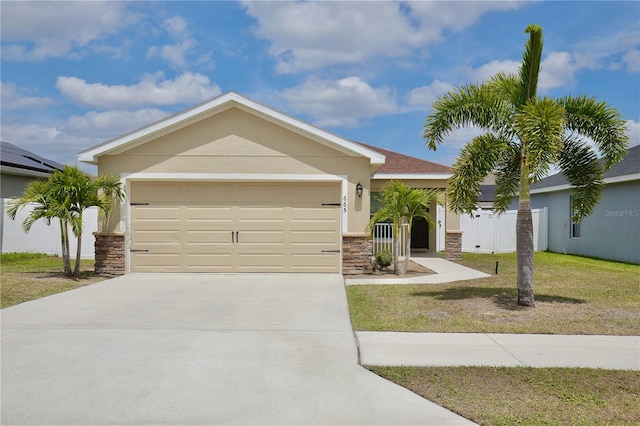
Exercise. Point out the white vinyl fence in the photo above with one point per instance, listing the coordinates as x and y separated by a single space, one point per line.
42 238
383 238
488 232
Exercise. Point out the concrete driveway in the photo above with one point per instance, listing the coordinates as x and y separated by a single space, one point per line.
196 349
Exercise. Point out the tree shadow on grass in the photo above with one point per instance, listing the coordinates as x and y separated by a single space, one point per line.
501 297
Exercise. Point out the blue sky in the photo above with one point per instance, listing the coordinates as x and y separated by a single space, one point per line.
77 73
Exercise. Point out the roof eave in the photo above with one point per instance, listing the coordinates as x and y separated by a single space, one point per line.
615 179
20 171
431 176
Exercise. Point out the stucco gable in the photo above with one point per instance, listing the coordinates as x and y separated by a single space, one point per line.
216 106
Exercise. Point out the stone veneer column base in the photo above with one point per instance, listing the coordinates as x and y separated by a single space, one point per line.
357 252
453 245
109 253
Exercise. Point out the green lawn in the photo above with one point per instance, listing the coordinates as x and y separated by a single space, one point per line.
527 396
574 295
29 276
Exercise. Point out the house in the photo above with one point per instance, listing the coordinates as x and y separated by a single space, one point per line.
232 185
612 231
18 167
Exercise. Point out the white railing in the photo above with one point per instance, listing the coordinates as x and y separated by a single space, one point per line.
383 238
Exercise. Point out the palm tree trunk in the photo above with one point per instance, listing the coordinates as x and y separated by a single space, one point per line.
396 248
64 239
76 271
524 240
405 264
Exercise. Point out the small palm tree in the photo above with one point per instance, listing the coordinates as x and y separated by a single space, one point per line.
65 196
402 205
525 136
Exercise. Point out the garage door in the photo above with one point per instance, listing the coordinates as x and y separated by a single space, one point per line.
234 227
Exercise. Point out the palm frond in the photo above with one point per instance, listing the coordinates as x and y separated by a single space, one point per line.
540 124
507 86
507 178
477 159
470 105
530 66
580 165
600 122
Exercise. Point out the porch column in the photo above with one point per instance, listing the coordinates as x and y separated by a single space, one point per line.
453 236
109 253
357 253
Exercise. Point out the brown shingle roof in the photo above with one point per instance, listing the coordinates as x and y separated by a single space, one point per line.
396 163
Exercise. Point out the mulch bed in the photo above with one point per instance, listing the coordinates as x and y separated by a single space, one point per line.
414 270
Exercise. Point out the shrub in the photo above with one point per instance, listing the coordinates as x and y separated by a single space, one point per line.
384 258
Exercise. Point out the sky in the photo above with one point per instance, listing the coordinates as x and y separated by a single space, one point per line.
75 74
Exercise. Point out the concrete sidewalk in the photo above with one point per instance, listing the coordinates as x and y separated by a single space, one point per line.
445 271
508 350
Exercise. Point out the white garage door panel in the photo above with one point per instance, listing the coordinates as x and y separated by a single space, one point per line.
203 237
274 227
208 263
312 237
156 262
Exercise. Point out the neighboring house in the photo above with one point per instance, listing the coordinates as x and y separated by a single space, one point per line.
18 167
232 185
612 231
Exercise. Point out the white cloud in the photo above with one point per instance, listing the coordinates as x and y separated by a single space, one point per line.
34 31
437 16
63 140
488 70
14 98
176 54
151 91
109 124
346 102
632 60
460 137
423 97
311 35
557 69
605 50
633 131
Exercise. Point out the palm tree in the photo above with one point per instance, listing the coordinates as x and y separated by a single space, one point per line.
39 194
525 136
401 205
65 196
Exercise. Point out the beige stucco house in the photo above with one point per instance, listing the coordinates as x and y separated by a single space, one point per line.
232 185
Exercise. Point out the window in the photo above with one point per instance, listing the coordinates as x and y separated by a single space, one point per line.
376 204
575 226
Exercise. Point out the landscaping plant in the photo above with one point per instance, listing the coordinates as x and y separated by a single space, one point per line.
64 196
525 135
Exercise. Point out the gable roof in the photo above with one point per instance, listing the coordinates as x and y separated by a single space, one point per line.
626 170
18 161
404 166
215 106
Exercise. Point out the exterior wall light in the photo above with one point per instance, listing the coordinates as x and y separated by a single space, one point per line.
359 189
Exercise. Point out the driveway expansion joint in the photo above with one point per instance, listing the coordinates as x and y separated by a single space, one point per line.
490 336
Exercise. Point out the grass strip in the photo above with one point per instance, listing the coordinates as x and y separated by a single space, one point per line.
527 396
29 276
574 295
